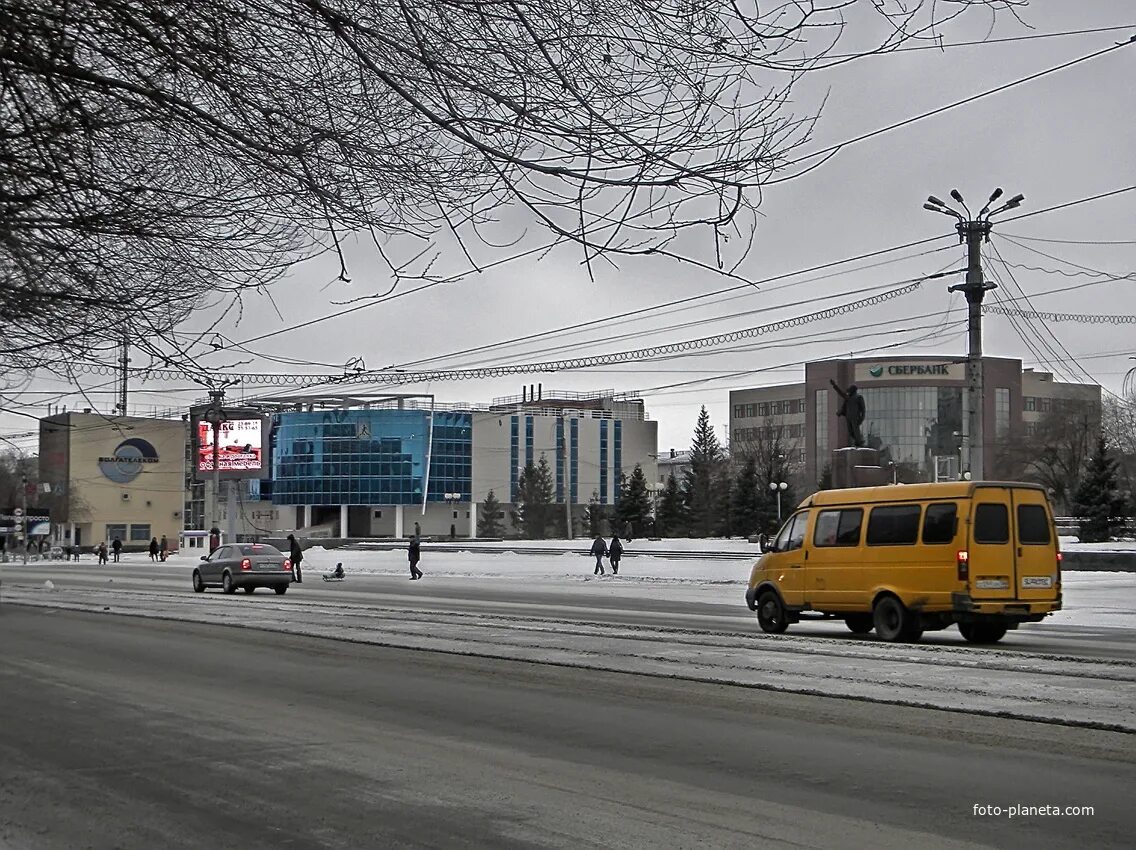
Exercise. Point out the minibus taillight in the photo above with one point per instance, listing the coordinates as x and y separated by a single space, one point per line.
1059 559
963 565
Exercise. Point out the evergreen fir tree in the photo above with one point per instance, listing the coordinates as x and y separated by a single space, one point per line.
705 462
595 516
746 499
534 512
619 517
635 504
671 518
489 517
1097 501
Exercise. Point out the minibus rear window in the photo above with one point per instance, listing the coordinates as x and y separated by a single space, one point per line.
991 523
939 524
893 525
1033 525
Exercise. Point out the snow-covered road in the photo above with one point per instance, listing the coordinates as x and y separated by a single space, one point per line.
607 628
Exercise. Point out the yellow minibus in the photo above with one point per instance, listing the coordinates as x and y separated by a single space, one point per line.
905 559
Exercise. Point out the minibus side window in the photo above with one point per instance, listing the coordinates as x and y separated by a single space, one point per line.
893 525
939 523
991 523
1033 525
839 528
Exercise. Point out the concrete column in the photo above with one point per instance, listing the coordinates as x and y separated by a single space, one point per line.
472 520
343 521
398 520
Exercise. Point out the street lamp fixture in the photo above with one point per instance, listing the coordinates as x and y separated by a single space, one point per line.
778 487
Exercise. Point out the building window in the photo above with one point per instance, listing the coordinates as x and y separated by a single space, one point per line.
739 411
573 460
514 455
1001 411
1029 403
1043 404
528 441
560 457
617 456
140 532
763 409
119 531
378 514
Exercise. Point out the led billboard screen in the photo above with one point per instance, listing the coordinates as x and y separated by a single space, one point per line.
240 446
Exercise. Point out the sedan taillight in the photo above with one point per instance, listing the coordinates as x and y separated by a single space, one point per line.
288 565
246 564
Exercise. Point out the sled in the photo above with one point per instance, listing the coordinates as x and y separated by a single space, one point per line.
333 577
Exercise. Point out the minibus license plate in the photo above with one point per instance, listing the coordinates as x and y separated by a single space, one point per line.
1037 581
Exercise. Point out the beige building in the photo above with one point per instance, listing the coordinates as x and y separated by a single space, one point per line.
114 476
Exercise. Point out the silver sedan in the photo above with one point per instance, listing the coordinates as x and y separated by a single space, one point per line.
246 565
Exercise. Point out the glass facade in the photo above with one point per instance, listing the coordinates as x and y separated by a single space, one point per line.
603 461
913 425
1001 411
574 460
617 455
370 457
514 455
529 441
821 407
559 459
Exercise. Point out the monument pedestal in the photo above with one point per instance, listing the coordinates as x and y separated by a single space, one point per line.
853 467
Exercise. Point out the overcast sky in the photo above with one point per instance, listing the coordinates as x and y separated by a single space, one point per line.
1057 139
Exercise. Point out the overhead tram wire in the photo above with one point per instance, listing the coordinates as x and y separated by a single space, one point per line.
748 284
828 152
733 292
1049 330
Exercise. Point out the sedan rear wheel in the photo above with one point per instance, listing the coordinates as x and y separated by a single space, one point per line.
249 589
227 583
198 584
281 589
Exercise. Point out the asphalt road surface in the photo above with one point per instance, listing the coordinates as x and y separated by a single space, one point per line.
623 607
133 733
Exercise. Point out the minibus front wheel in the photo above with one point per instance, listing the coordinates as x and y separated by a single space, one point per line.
771 613
894 622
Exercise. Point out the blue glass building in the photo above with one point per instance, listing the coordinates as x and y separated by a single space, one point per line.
370 457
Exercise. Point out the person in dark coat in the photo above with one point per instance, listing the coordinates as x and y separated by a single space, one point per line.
154 549
295 555
102 551
164 549
414 553
116 548
599 549
615 552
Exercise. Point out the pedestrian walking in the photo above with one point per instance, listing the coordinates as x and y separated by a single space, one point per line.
116 548
615 552
154 549
599 549
165 548
414 553
102 554
295 555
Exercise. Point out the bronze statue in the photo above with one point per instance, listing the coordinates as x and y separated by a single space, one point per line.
853 410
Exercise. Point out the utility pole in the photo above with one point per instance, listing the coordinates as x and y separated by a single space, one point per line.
124 364
973 230
24 516
215 415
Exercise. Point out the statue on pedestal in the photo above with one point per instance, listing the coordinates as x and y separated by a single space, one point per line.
853 410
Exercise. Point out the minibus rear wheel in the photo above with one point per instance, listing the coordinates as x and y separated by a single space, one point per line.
771 613
893 622
859 624
982 632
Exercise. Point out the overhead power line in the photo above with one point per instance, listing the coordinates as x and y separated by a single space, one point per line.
1044 315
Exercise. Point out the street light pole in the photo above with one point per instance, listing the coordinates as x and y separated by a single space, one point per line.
215 415
973 230
778 487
